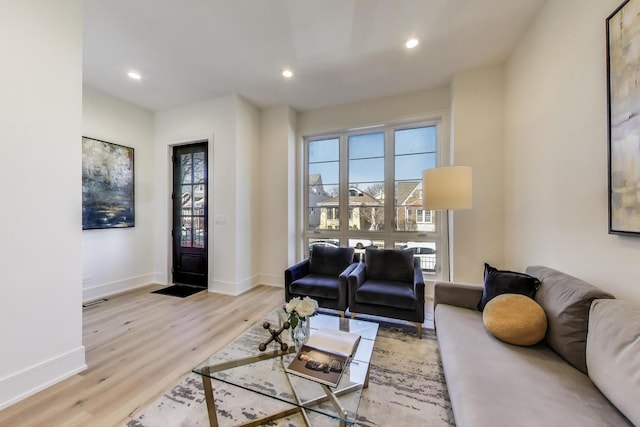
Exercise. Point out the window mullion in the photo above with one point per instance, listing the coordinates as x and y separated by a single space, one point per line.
344 189
389 188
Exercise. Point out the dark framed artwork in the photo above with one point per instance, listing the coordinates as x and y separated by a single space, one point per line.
107 185
623 90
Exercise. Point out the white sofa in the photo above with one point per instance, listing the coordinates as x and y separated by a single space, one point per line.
570 379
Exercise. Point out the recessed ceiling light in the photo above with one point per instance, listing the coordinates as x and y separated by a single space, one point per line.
134 75
287 73
411 43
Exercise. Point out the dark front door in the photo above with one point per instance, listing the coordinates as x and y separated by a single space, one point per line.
190 214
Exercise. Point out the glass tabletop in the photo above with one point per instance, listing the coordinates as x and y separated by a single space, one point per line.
241 364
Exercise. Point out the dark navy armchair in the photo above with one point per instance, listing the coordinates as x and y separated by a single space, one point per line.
388 283
323 277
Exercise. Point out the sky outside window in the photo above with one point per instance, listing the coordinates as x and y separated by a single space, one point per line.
415 151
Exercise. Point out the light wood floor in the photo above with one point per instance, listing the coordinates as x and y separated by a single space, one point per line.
138 345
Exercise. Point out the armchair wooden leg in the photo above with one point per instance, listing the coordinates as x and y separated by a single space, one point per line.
419 326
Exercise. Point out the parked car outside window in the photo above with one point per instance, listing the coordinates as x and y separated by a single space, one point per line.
425 251
328 243
360 243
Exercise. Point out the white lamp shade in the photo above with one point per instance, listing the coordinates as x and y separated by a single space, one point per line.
447 188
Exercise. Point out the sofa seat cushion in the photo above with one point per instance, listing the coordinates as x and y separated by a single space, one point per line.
385 292
515 319
316 285
613 353
492 383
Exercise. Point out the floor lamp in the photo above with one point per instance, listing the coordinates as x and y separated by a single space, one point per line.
447 188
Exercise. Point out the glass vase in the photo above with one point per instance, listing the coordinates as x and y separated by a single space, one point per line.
300 334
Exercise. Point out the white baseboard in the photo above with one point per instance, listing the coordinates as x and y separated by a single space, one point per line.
273 285
216 286
159 279
234 288
223 287
29 381
247 284
107 289
272 280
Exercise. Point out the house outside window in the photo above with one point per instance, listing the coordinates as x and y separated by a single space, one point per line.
423 217
348 176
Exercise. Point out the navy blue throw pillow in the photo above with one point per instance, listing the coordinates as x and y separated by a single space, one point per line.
498 282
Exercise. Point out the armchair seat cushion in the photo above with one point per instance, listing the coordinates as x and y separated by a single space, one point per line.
316 285
388 293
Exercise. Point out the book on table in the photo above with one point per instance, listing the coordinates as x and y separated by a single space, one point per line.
325 356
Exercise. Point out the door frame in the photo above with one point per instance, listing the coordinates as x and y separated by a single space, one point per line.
168 223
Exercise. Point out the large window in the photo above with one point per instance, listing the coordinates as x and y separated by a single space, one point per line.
414 151
366 181
323 161
364 188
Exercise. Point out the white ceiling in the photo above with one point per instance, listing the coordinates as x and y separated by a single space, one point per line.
340 50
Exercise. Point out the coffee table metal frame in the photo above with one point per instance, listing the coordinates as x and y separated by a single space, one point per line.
207 373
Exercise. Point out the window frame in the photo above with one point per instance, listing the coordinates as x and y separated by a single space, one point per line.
389 235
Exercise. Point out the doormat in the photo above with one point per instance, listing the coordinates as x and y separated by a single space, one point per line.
180 291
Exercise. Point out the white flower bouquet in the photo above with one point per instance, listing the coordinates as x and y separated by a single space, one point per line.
300 308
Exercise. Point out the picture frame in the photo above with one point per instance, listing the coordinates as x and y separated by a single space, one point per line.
623 102
108 185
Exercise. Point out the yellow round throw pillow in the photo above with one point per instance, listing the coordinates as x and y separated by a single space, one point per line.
516 319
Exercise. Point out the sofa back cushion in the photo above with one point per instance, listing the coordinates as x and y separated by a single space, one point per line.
330 261
566 301
613 346
389 264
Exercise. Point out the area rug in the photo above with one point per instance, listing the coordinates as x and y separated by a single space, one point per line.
180 291
406 388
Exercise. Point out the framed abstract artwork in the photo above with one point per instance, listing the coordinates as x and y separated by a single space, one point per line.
107 185
623 92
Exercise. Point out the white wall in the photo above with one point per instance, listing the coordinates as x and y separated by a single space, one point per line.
556 151
476 104
477 139
40 130
412 106
231 265
118 259
276 194
374 112
249 218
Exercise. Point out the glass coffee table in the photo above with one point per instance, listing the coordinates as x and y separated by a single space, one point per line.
279 394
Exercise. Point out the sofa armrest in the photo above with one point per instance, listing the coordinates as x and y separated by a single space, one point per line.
343 284
355 279
418 282
347 271
465 295
343 278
